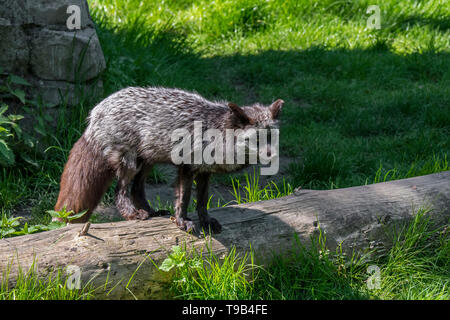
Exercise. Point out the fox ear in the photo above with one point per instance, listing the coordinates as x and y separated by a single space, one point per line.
239 113
275 108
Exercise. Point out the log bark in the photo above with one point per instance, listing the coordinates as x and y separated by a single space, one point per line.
356 217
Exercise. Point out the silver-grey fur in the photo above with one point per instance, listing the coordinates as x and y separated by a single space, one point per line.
132 130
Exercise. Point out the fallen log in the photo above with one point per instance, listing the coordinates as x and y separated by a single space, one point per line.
355 217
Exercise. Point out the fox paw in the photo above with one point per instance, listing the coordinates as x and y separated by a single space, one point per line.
140 214
212 224
185 224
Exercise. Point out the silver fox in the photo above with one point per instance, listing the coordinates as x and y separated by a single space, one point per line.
130 131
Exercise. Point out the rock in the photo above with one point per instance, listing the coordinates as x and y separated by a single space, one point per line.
47 13
38 46
15 11
13 47
54 13
66 56
52 92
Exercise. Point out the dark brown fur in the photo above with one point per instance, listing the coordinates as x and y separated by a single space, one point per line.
84 180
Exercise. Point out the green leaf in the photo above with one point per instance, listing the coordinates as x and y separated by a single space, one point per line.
15 117
76 216
195 263
6 155
33 102
18 80
54 214
177 251
55 225
28 160
41 131
14 222
28 141
37 228
48 118
16 129
167 265
19 94
3 109
6 232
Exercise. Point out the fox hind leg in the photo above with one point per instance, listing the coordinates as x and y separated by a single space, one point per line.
138 192
138 189
124 201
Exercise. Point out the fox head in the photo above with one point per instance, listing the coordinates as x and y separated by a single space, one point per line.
237 138
257 135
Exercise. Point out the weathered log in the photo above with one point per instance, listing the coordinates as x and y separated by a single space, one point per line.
355 217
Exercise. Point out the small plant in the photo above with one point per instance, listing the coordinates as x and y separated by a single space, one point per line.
66 216
177 259
209 204
204 275
12 140
9 227
10 132
10 83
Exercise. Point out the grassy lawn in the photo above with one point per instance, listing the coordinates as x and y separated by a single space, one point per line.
355 98
361 106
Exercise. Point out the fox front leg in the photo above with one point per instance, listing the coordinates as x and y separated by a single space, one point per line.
206 222
183 196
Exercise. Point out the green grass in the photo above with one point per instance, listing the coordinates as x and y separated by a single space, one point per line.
204 275
252 191
31 285
418 265
355 98
415 267
362 106
419 168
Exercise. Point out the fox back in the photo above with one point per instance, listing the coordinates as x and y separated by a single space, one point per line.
139 121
